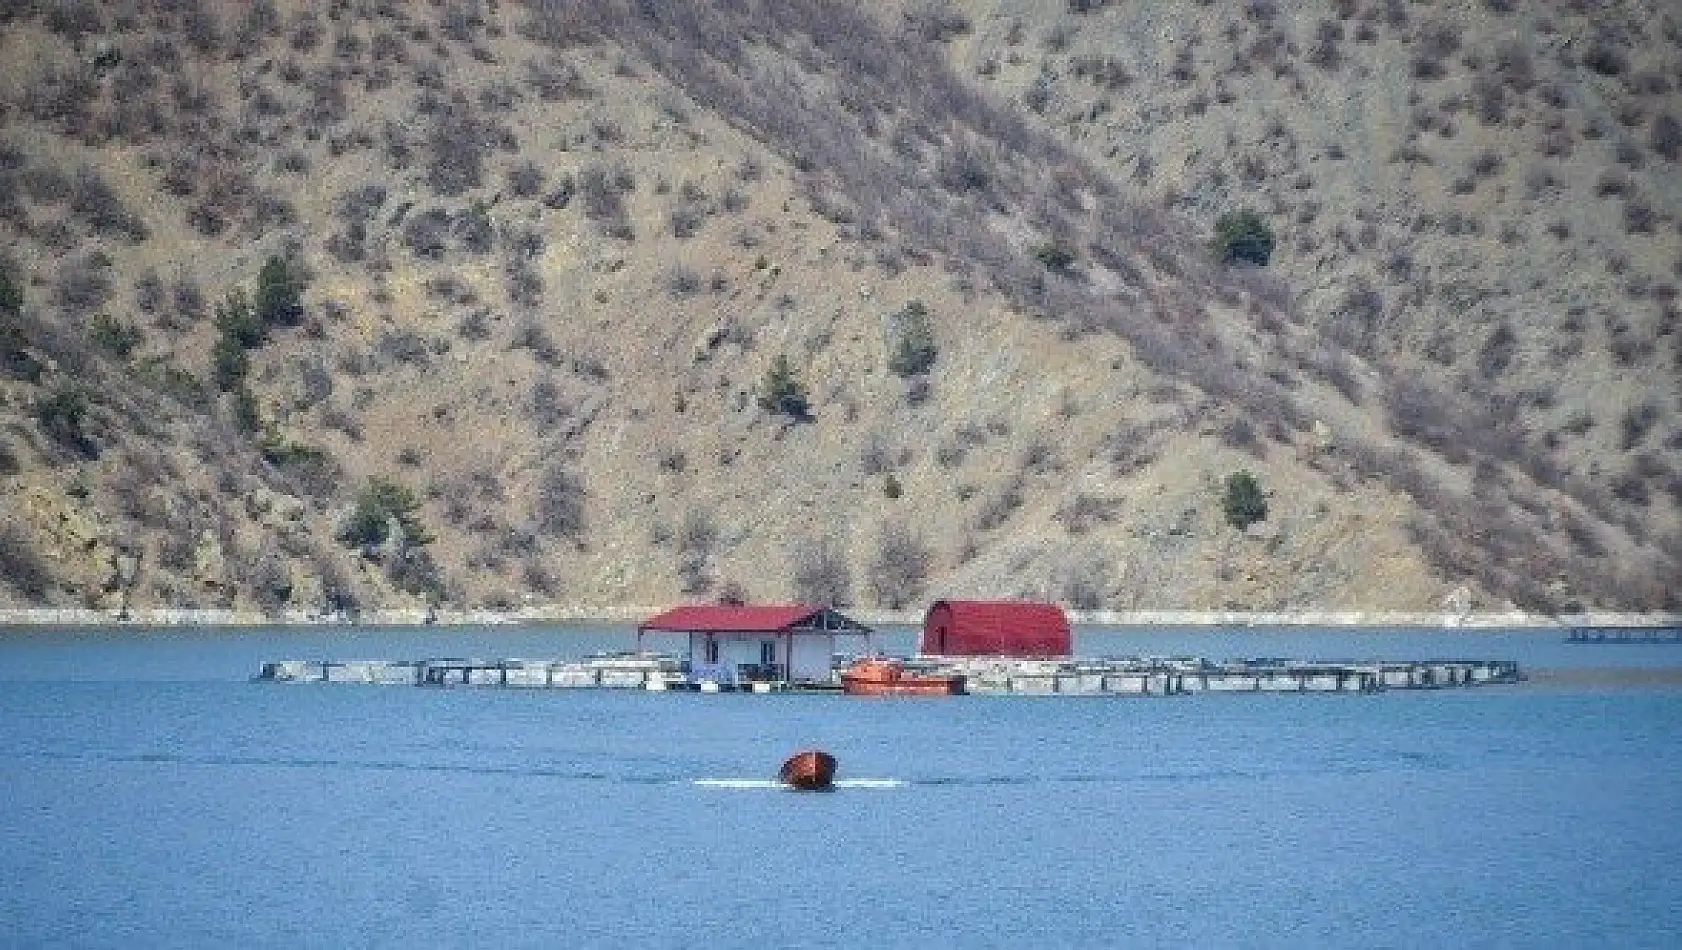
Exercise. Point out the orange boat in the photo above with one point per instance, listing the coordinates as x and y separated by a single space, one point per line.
809 771
889 678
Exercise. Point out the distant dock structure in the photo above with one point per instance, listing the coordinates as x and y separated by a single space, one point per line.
987 676
995 648
1627 634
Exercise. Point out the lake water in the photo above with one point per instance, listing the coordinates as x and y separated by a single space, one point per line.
151 796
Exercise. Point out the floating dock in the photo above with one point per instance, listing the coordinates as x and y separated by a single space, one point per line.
1625 635
1130 676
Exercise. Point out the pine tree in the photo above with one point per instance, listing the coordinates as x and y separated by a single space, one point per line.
784 393
1242 237
915 350
1244 502
369 524
279 294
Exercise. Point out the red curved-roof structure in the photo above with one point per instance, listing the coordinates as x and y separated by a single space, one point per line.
995 628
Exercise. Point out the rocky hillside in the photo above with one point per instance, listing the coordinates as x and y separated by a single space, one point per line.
319 306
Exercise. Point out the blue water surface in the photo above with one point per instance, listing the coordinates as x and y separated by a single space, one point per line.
152 796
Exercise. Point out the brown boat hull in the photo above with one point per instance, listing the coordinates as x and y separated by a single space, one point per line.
809 771
882 678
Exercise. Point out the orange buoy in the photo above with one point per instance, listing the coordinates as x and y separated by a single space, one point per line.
809 771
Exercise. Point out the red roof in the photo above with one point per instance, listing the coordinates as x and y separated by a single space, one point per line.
767 618
995 628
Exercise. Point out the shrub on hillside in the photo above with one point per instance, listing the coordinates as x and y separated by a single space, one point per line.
427 234
21 568
1325 53
187 298
821 575
935 22
98 204
11 296
280 288
1604 57
695 542
238 330
1242 237
1666 137
114 336
783 392
1084 512
1497 352
15 360
558 506
413 571
525 180
914 349
458 143
270 580
1057 256
83 283
229 363
602 192
382 502
1085 581
899 568
1243 502
62 416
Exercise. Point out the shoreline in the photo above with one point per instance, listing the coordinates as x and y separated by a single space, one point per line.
54 618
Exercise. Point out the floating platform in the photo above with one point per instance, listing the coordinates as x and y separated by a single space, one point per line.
1126 676
1624 635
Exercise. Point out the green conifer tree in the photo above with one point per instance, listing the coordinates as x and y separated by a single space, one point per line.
280 289
784 393
914 350
1244 503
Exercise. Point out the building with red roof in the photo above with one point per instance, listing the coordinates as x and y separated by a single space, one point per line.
995 628
731 644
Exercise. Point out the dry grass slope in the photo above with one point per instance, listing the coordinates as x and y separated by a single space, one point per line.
548 255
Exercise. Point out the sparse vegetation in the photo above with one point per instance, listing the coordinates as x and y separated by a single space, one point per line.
63 417
899 567
1243 502
114 336
1666 137
1085 582
280 287
1057 256
782 392
695 543
238 331
914 350
161 142
1242 237
16 362
821 574
379 506
891 488
558 505
21 568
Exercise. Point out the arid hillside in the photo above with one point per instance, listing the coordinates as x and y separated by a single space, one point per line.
314 307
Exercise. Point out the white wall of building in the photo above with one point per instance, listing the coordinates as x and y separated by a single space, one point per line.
811 652
812 657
